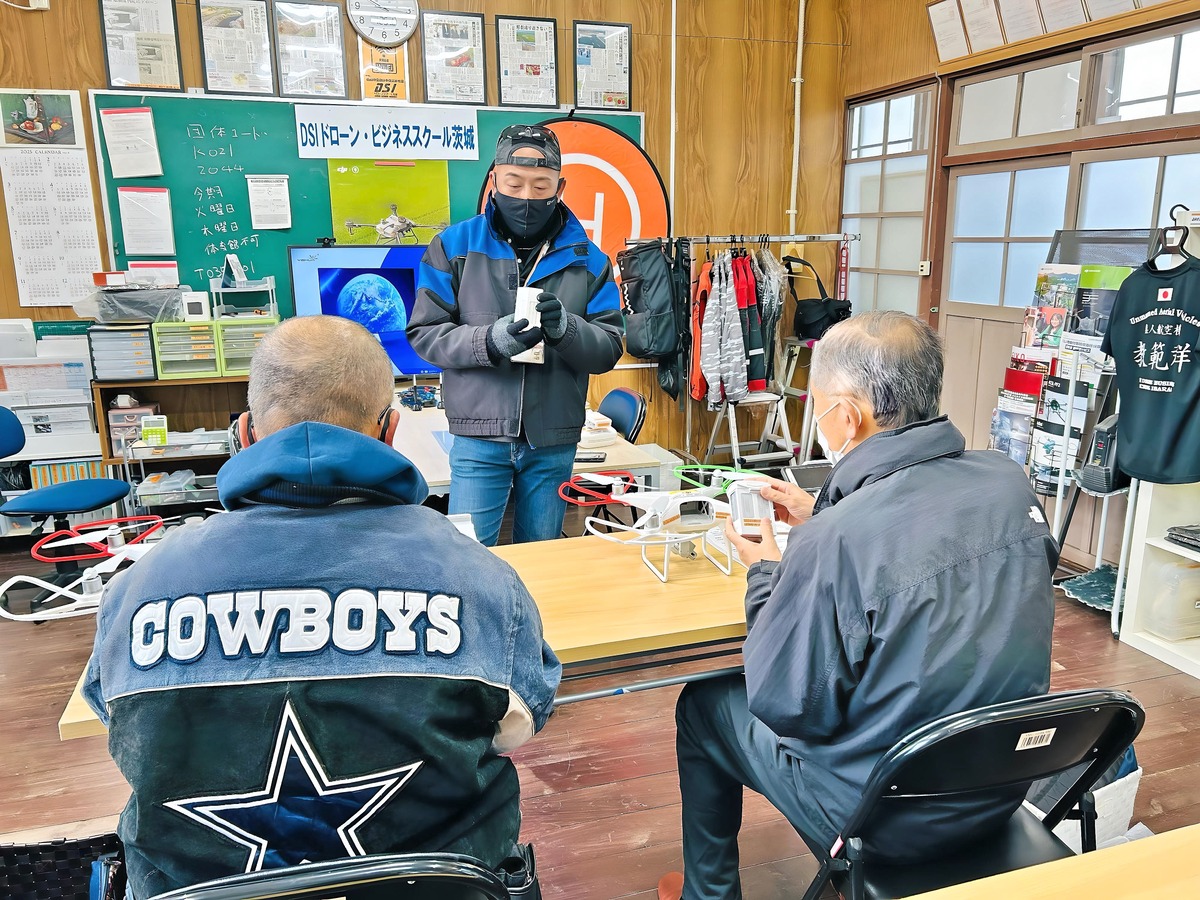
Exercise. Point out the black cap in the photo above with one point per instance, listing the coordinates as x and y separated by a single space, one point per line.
535 137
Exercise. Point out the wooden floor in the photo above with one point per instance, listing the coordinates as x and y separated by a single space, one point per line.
601 800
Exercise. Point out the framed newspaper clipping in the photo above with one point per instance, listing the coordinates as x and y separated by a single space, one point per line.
527 50
603 70
235 42
454 59
308 45
141 45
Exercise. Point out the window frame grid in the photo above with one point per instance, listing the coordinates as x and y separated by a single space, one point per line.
1093 56
998 310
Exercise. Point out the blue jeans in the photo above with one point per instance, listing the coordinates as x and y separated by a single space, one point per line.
484 473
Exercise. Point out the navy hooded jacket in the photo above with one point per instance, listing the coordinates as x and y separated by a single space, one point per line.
327 670
921 587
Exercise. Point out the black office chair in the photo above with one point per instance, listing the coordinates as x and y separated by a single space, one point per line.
52 870
1008 745
406 876
627 409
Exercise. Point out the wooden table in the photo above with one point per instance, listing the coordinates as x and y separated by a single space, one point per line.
597 602
417 438
1166 865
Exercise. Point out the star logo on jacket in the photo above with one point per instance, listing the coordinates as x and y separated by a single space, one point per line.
300 814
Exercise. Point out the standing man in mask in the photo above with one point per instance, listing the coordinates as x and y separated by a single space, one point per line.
516 424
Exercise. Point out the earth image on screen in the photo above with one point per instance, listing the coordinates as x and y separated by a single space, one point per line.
373 302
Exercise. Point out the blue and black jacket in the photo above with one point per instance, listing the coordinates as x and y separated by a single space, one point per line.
469 279
326 670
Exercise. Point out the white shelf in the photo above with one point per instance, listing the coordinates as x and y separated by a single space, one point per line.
1177 549
1183 655
1159 506
58 446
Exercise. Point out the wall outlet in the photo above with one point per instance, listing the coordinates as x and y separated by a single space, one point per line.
39 4
924 268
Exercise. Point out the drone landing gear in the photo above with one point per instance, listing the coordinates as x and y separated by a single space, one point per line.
671 542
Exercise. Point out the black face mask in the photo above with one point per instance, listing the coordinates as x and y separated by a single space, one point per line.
525 218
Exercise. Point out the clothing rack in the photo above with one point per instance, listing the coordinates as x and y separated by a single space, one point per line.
806 438
760 238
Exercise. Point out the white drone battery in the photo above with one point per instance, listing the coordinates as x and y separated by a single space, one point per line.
527 309
748 507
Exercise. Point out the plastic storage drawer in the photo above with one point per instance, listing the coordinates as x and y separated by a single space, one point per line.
185 350
121 354
237 340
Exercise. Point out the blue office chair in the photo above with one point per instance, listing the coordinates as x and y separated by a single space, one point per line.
627 409
408 876
57 501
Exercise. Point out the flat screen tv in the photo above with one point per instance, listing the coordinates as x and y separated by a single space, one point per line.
374 286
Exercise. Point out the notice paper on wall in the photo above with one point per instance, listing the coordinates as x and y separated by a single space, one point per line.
1060 14
1021 19
131 142
270 202
52 224
161 272
146 221
982 24
948 32
1100 9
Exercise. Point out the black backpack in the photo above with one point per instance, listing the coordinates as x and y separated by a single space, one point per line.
648 300
817 315
654 300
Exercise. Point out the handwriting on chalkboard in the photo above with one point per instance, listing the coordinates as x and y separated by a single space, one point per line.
221 202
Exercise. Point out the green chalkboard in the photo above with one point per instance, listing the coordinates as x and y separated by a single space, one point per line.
208 146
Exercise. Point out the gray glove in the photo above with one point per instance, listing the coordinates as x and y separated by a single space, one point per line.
506 338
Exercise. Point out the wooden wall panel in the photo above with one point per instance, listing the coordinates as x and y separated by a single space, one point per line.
890 42
961 336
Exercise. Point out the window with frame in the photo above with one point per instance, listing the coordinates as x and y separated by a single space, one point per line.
1152 77
884 190
1001 222
1018 107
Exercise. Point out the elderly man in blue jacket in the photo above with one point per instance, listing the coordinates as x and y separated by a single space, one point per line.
917 585
516 424
329 669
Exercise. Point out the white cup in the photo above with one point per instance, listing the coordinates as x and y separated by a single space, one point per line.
527 309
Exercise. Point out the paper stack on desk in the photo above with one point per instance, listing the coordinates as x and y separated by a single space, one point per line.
597 431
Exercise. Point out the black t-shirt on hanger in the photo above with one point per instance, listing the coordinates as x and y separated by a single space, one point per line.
1154 337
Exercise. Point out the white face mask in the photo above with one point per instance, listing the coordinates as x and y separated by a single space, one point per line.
834 456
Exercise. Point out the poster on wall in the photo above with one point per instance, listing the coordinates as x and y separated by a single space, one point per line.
603 55
235 36
388 202
141 44
308 45
52 224
949 35
528 68
383 72
34 118
454 58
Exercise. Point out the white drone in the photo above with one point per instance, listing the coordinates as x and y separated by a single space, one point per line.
110 548
672 520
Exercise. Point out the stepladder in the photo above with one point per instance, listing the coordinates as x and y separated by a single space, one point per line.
774 445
